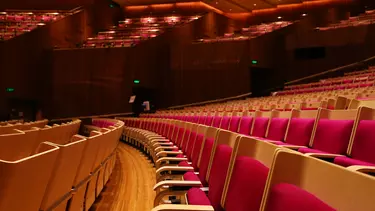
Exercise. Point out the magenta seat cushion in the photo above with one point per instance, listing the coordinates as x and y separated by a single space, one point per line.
218 174
196 196
333 136
345 161
245 125
277 129
260 126
225 122
205 160
364 142
190 176
184 164
217 121
246 186
287 197
180 156
299 132
234 122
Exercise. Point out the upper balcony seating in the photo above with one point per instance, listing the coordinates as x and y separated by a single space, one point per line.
15 23
132 31
249 32
363 19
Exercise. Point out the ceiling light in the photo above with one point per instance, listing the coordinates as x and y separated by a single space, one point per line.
279 17
304 14
255 5
217 2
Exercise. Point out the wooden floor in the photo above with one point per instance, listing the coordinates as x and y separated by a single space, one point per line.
130 187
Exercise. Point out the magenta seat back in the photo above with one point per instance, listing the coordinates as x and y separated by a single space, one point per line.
245 125
333 136
234 122
289 197
216 121
218 175
185 141
246 185
180 135
189 118
277 129
364 142
260 126
209 120
202 119
205 160
195 119
225 122
299 132
189 148
196 150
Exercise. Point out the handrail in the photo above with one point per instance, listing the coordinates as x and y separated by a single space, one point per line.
211 101
94 116
330 71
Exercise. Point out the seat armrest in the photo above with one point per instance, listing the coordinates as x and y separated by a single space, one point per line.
295 147
180 207
160 140
168 153
165 159
163 148
177 184
363 169
163 169
323 155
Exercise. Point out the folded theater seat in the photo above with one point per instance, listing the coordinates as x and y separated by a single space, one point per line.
236 180
194 167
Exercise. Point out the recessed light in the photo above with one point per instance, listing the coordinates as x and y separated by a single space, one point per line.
304 14
255 5
279 17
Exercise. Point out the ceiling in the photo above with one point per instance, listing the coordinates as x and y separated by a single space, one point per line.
240 6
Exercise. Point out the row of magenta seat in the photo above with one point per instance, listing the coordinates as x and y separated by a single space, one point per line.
262 161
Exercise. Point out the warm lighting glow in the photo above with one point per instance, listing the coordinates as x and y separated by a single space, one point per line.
304 14
279 17
148 20
172 19
153 30
128 21
41 24
161 6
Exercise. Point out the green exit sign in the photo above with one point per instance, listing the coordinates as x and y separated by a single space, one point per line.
137 81
9 89
254 61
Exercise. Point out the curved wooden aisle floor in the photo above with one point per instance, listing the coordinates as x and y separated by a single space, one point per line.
130 187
